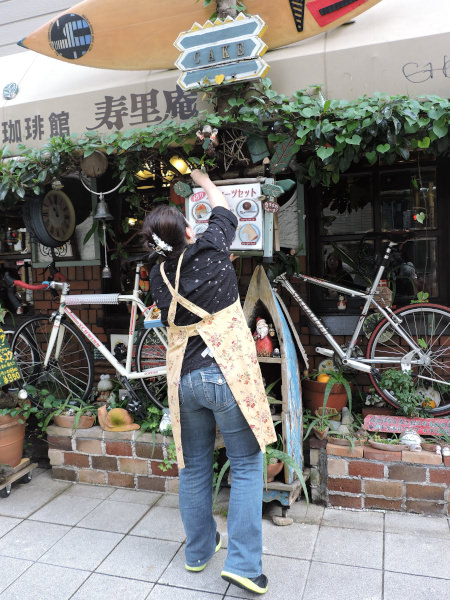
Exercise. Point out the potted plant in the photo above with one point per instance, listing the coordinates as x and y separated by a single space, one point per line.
274 453
70 413
401 385
387 443
318 422
14 411
330 389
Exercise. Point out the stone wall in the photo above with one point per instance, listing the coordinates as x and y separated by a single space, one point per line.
124 459
366 478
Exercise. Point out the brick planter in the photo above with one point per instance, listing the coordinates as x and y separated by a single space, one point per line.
124 459
366 478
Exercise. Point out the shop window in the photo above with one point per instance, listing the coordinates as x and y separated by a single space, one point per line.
348 230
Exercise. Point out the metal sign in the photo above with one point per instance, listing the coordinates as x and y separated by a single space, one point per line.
221 52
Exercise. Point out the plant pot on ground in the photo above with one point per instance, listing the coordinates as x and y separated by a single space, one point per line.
14 410
331 390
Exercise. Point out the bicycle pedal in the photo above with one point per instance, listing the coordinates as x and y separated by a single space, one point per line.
325 351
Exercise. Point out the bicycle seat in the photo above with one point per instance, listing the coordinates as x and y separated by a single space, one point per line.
145 257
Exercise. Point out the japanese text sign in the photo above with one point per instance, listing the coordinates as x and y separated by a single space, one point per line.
8 367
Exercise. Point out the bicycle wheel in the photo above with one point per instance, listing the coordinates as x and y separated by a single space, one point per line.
72 372
429 326
151 352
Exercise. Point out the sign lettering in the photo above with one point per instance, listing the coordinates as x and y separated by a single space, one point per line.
9 371
223 51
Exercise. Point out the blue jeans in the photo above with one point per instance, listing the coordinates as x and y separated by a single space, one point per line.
206 399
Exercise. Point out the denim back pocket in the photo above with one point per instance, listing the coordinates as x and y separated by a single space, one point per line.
216 390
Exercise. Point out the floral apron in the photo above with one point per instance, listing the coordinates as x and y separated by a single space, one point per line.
227 336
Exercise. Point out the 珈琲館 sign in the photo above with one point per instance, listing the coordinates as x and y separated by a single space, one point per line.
221 52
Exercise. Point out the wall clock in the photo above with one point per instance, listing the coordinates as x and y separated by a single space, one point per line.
51 219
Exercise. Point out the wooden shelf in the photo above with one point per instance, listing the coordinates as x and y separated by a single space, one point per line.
269 359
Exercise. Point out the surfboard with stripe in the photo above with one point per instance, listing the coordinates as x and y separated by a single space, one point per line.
139 34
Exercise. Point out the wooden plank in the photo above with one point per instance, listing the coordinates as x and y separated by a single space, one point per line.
140 34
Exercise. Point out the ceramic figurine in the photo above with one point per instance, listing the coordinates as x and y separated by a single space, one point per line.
104 386
342 303
446 451
412 439
263 341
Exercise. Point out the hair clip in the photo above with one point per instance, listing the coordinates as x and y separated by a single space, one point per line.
161 245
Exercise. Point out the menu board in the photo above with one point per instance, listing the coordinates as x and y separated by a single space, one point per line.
8 367
245 202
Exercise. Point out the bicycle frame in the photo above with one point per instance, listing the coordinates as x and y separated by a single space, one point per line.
357 363
103 299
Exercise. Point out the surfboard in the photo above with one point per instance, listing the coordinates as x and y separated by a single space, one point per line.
139 34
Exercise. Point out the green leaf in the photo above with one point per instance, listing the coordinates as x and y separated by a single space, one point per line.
355 140
324 152
440 128
424 143
383 148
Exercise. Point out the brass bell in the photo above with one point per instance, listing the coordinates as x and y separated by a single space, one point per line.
102 212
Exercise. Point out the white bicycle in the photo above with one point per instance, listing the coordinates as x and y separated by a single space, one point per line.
52 351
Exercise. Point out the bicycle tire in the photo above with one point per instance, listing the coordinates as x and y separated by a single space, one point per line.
150 352
427 322
71 374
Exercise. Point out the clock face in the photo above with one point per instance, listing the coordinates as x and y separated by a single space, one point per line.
58 215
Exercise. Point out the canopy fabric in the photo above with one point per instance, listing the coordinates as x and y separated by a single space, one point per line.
396 47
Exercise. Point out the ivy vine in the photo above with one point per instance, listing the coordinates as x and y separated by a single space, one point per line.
327 136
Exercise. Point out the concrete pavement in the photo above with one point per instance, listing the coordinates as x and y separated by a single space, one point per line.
61 541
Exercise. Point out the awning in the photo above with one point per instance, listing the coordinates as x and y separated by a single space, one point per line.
397 47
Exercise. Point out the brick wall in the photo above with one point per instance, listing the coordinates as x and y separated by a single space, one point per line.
83 280
123 459
366 478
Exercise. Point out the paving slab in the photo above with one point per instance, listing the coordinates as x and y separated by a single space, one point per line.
11 569
349 547
169 500
114 516
418 525
415 587
106 587
164 592
82 549
8 523
136 496
406 553
65 510
47 582
299 511
340 582
89 491
26 499
139 558
367 521
30 540
287 579
162 523
208 580
295 541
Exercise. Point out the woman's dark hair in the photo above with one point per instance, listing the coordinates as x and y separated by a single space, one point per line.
169 224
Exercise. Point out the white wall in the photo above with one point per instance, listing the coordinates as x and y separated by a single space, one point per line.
19 18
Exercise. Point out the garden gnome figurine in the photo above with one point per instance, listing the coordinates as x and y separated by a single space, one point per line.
263 341
105 385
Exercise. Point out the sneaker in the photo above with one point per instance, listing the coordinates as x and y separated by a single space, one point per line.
201 567
257 585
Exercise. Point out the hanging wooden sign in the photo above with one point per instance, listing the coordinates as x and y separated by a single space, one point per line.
221 52
8 367
271 207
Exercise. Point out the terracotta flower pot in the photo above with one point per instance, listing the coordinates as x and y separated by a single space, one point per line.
12 434
273 469
68 421
313 392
